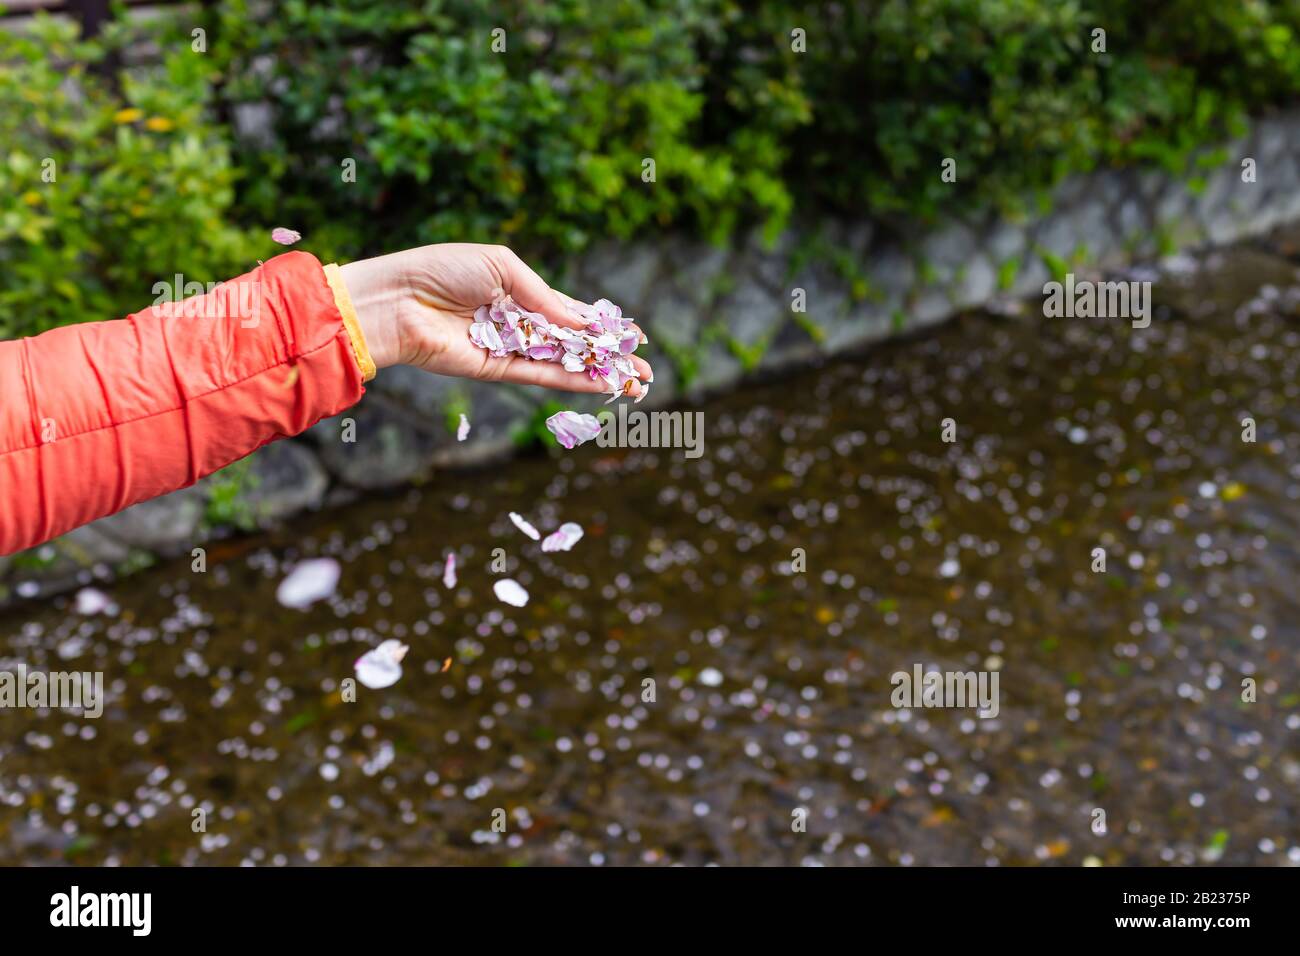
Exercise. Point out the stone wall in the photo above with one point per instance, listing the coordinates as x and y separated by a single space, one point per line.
713 316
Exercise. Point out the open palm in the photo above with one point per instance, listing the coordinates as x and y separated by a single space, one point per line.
416 307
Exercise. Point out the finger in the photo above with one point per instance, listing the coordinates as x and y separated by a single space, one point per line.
529 289
582 306
576 309
524 371
643 369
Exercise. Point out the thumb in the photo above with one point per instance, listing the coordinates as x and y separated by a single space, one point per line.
529 289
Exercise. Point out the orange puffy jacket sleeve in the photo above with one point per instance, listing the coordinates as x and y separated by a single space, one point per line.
99 416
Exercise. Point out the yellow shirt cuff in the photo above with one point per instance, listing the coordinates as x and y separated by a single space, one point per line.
344 303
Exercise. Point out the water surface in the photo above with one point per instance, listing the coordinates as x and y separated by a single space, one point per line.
1120 691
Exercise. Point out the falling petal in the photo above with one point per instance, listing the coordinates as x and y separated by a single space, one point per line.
511 592
285 237
564 538
449 572
308 583
573 428
446 666
381 667
523 525
462 432
91 601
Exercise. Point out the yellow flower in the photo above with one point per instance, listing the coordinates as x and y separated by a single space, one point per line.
128 115
32 197
159 124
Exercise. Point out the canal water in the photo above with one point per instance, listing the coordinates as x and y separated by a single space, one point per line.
706 676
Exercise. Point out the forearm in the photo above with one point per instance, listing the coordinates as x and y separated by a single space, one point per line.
97 417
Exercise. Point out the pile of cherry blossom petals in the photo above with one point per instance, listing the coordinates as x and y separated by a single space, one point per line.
603 348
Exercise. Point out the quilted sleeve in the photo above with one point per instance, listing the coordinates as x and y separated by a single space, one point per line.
99 416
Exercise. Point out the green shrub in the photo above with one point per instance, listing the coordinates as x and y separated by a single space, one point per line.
542 145
106 191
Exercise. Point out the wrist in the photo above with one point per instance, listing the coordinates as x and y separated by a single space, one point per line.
376 307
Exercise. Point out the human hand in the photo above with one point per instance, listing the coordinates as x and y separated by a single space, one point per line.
415 308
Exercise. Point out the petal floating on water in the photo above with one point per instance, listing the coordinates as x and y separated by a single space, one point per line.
522 524
309 582
511 592
564 538
381 667
92 601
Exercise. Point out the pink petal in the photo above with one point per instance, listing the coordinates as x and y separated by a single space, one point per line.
522 524
381 667
564 538
449 572
511 592
309 582
573 428
285 237
462 432
92 601
485 336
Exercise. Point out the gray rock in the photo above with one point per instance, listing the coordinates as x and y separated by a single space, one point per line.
975 284
770 265
1058 234
286 479
1005 241
792 346
752 313
622 273
1273 137
1213 200
856 238
865 322
1030 279
1172 206
1151 184
674 319
929 307
1093 232
91 545
494 409
392 446
169 524
1071 190
892 275
1131 222
1246 200
948 249
1109 188
718 369
695 275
